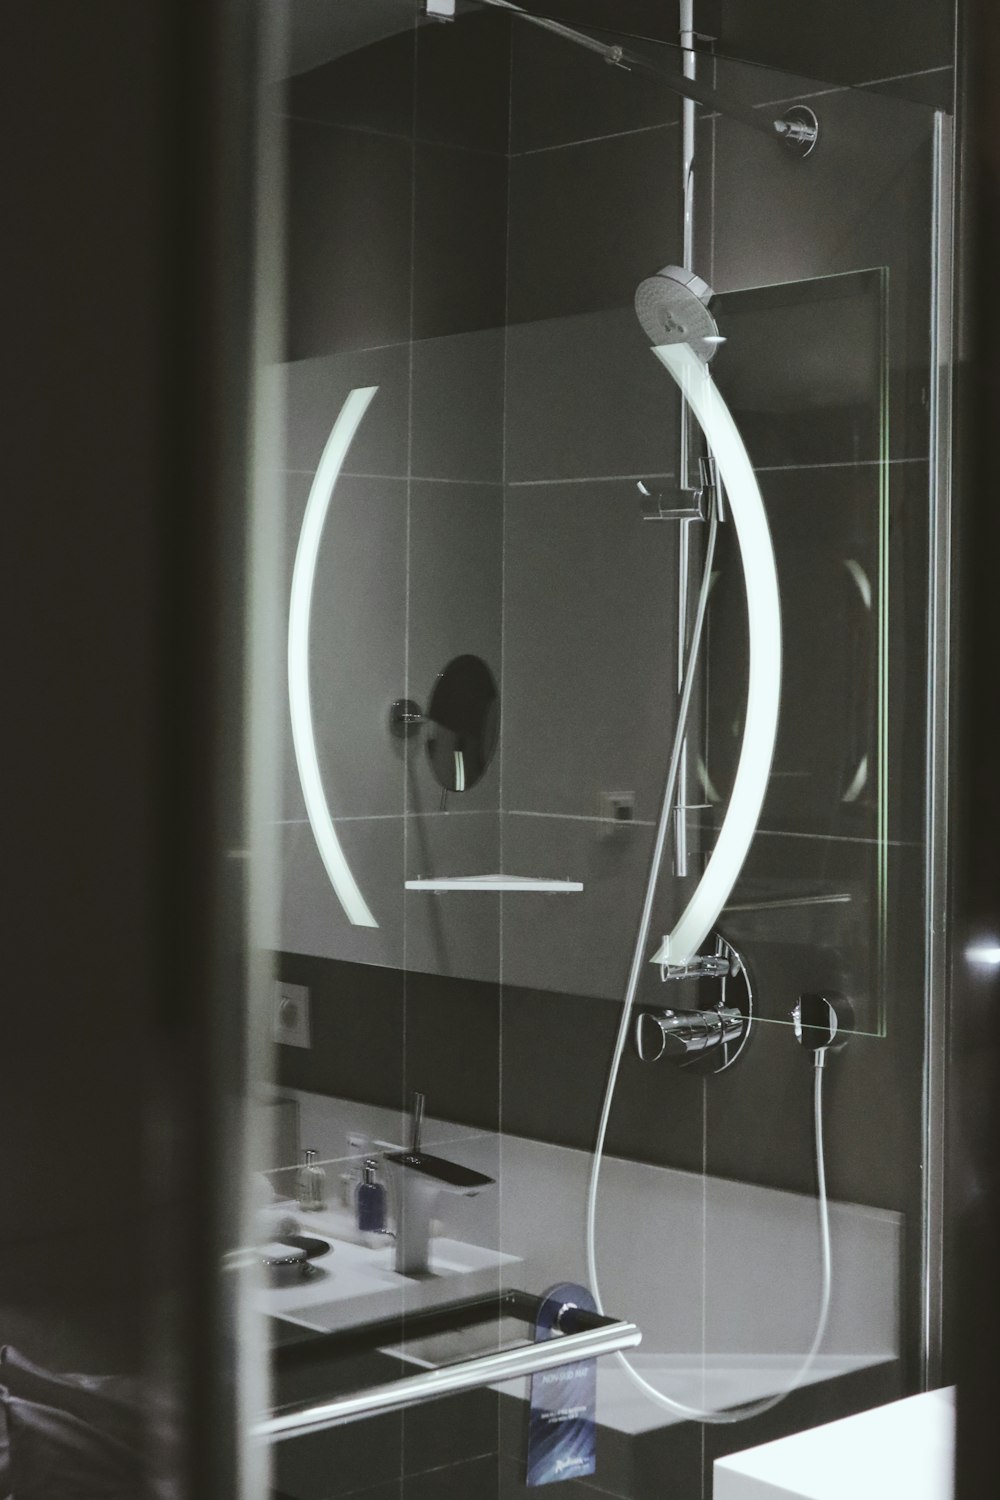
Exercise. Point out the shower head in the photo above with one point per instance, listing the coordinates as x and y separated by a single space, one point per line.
672 307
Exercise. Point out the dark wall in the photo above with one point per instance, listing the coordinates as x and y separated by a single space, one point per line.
854 42
114 446
974 1196
837 41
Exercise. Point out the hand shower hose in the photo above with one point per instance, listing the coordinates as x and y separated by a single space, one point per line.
680 1408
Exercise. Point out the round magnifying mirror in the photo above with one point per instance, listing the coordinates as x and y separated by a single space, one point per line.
464 720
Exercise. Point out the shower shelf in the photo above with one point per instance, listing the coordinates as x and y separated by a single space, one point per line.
496 883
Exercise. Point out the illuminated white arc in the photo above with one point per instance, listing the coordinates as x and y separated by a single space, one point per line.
746 508
299 699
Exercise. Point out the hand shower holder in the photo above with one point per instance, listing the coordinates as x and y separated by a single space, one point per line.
684 504
709 1040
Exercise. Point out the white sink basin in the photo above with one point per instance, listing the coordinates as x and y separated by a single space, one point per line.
357 1285
905 1448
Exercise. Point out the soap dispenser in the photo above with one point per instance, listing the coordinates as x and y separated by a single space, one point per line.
310 1185
370 1201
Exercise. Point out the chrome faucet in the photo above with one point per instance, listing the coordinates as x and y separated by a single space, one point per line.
419 1179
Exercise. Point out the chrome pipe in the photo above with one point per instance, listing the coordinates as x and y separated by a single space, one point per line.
469 1375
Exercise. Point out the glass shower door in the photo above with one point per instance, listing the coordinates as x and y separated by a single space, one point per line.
482 529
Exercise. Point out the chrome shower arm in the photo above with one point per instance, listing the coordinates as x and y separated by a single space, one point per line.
798 133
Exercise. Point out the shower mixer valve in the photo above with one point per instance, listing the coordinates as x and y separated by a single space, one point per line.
713 1037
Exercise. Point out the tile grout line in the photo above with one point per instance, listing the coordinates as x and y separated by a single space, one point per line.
455 812
593 140
860 463
405 759
514 484
501 849
389 135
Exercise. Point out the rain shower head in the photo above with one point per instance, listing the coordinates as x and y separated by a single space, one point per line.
672 307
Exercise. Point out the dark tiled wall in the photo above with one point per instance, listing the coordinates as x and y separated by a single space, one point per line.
880 39
414 173
396 277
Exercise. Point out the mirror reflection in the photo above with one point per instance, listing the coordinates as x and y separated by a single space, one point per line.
463 723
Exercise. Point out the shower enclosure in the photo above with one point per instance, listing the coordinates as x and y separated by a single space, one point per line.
599 668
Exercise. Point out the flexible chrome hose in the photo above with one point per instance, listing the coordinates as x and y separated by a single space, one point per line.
680 1408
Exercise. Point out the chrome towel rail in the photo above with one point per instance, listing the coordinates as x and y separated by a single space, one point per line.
600 1336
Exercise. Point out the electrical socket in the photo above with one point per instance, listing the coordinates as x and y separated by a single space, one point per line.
614 810
291 1014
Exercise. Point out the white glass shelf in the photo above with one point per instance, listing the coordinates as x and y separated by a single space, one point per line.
496 883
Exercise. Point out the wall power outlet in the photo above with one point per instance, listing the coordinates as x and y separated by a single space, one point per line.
291 1014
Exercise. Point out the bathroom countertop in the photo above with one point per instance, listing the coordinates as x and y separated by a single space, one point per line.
903 1448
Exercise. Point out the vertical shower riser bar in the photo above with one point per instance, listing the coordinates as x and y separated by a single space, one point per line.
689 68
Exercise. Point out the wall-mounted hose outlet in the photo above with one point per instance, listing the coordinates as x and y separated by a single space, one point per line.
823 1021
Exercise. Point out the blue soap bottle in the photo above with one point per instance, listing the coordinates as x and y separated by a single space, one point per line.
369 1201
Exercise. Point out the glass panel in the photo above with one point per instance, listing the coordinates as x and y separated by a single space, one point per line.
479 457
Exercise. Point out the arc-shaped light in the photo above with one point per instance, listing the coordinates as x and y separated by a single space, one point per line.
299 699
746 508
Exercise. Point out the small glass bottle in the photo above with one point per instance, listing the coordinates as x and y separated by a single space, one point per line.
310 1185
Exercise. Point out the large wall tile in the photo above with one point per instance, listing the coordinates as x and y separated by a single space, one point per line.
460 244
840 44
804 913
463 69
817 397
455 581
588 222
449 1431
811 913
586 397
658 1111
590 631
458 406
846 207
777 1235
368 87
348 247
312 920
357 1035
644 18
357 643
849 550
662 1463
313 392
561 93
453 1048
333 1464
477 1476
577 943
759 1122
648 1219
458 933
936 88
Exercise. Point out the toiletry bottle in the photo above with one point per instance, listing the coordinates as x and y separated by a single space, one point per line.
370 1201
310 1185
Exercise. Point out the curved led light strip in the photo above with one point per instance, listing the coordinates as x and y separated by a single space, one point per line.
764 686
299 701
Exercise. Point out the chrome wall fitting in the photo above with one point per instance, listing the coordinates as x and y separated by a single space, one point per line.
405 718
823 1021
798 129
681 505
708 1040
